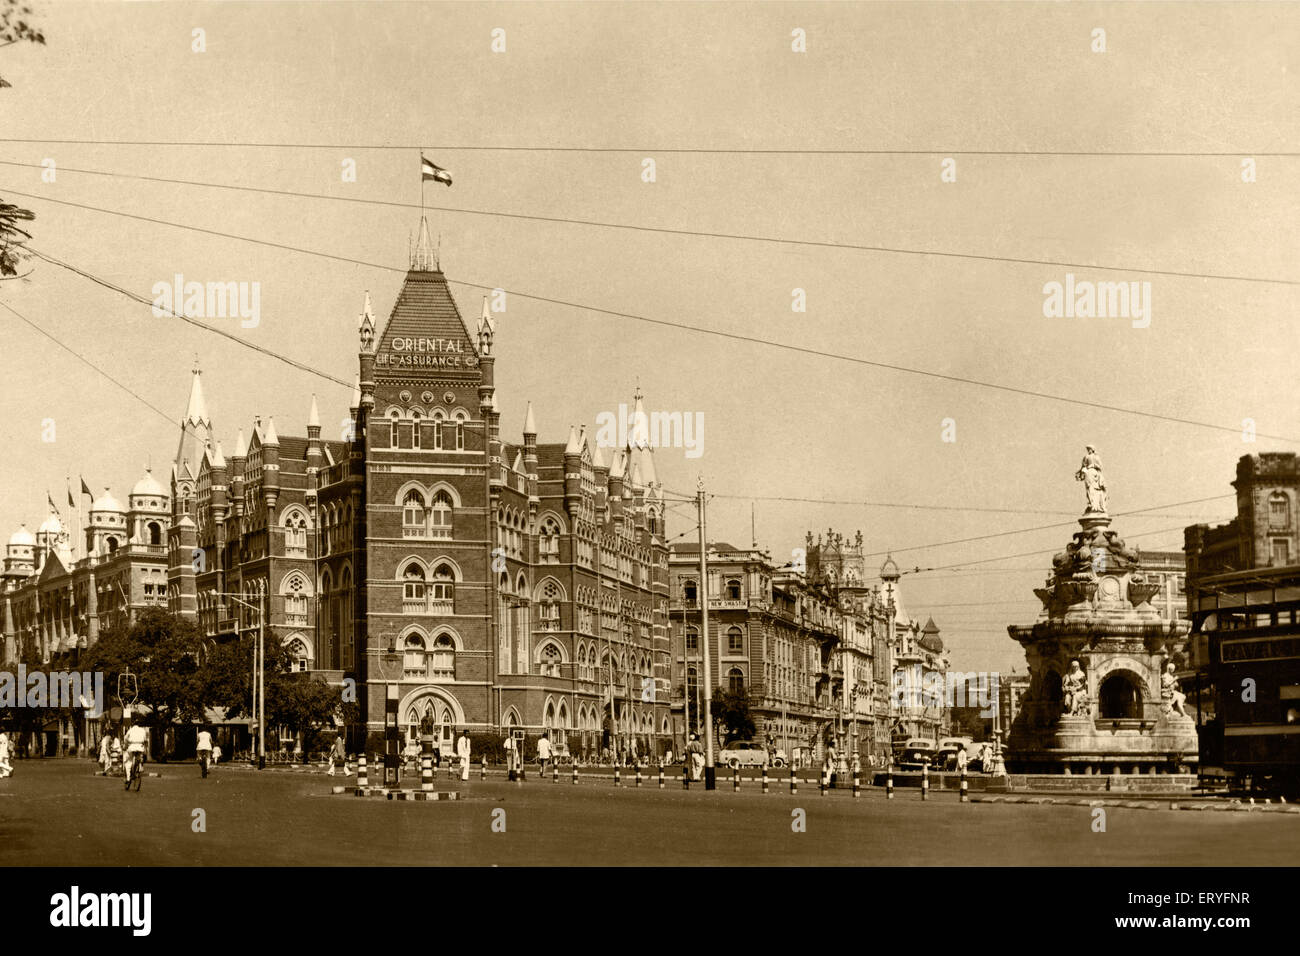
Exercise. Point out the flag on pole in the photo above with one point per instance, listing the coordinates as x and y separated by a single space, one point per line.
429 171
50 498
85 490
71 501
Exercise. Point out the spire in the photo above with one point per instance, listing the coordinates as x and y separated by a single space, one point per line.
424 259
270 437
366 326
196 429
530 424
313 418
218 459
597 459
241 446
619 465
573 447
638 431
197 411
648 466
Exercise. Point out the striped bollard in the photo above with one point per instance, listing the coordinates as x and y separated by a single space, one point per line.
555 772
362 779
618 781
482 769
638 776
889 781
426 773
575 774
826 779
857 782
925 781
965 792
686 779
735 780
765 790
661 776
794 782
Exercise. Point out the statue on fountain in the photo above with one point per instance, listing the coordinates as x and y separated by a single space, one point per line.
1075 687
1172 697
1094 482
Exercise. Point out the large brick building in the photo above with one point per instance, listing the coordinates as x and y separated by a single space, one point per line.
477 582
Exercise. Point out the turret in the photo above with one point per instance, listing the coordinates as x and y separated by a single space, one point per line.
238 462
270 468
573 471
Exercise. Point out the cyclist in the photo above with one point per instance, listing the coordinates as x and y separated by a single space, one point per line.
204 749
136 738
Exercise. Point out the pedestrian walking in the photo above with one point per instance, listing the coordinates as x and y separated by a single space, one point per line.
545 753
6 768
216 754
462 751
962 758
203 747
338 752
105 754
695 754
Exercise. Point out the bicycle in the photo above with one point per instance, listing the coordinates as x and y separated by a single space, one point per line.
134 767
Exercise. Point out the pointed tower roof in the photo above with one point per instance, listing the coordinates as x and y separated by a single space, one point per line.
930 627
648 466
619 464
889 570
530 423
485 320
572 447
636 478
518 466
196 429
241 446
269 437
597 459
638 431
218 459
424 259
313 417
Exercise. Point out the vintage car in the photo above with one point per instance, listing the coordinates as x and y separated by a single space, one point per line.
748 753
946 758
916 753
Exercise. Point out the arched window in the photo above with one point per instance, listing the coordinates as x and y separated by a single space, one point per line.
413 588
155 533
736 681
444 590
1279 511
548 599
549 663
652 521
690 592
444 657
549 542
295 600
733 590
414 662
392 429
440 515
735 641
692 638
413 516
416 415
299 656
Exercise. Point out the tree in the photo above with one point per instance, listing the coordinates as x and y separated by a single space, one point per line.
163 650
14 27
12 238
731 711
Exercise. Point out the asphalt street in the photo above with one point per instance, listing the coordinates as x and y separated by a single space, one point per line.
58 812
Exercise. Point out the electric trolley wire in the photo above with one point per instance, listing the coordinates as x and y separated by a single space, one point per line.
682 326
630 227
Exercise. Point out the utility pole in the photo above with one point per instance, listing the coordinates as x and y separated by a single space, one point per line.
710 781
261 678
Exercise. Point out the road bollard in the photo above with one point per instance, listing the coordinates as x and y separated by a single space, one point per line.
765 778
794 782
555 772
857 782
426 773
889 781
617 780
925 781
638 776
362 779
686 779
482 769
575 774
965 791
661 776
735 779
825 780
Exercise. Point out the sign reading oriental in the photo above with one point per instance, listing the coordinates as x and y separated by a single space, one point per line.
410 352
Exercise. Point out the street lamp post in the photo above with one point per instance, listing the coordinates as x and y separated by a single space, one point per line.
259 670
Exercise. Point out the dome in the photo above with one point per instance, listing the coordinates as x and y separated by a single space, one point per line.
51 525
106 502
22 538
889 569
148 486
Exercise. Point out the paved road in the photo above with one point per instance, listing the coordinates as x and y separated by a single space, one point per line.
57 812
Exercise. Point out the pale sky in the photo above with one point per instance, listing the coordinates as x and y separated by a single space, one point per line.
377 81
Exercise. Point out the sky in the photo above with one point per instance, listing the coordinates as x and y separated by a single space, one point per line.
743 131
